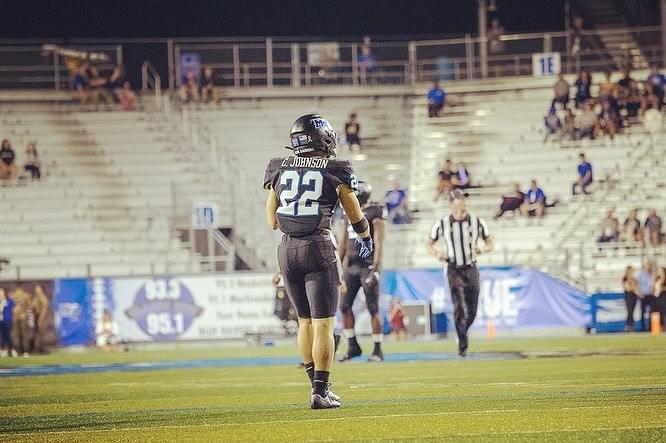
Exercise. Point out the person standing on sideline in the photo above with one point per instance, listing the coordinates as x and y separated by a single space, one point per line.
584 175
631 291
6 312
461 232
645 284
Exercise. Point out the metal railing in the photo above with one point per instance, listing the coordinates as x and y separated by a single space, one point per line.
276 62
150 80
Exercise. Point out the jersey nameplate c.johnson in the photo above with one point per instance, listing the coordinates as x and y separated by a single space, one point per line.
307 191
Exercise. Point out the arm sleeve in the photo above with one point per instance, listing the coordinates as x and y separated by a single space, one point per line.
436 231
483 229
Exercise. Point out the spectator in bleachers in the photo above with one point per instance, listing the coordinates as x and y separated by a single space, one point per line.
436 99
610 228
552 122
608 120
658 80
569 124
652 228
366 64
653 121
534 204
607 88
127 97
511 201
632 227
396 204
353 132
583 85
79 84
646 285
631 291
650 98
7 161
444 177
495 33
98 90
208 89
32 163
461 179
115 82
586 122
577 38
584 175
561 90
628 94
189 90
6 314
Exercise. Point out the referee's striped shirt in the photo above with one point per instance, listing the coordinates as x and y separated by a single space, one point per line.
460 237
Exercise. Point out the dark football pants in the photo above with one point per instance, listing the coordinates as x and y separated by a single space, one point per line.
355 277
310 269
464 286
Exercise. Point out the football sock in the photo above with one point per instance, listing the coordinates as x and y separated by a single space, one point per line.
320 383
351 337
309 369
377 339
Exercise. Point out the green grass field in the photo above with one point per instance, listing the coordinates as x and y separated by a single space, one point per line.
599 388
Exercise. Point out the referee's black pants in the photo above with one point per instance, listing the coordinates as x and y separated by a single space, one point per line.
464 286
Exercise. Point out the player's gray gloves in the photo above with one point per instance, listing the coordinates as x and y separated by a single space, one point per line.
366 246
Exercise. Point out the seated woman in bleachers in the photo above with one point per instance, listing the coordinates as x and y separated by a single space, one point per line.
32 163
610 228
7 161
632 227
511 201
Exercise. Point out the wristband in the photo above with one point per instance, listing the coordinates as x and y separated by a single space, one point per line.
361 226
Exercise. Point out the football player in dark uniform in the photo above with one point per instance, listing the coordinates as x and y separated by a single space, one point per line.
303 190
363 272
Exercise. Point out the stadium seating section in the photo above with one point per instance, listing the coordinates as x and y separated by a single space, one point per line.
116 180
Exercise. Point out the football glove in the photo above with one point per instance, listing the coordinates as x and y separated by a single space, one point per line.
366 246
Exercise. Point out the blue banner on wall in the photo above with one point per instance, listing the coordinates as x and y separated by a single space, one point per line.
73 312
513 297
609 312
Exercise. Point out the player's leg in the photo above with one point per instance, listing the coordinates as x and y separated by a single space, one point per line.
294 285
371 289
456 286
471 294
322 289
352 285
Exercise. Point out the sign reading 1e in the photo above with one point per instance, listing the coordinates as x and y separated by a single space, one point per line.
546 64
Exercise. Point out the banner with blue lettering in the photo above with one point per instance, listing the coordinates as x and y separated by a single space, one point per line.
72 309
513 297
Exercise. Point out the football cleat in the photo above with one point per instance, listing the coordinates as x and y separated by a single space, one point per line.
323 402
352 352
376 357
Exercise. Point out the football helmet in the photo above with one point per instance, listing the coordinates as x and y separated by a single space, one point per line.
363 192
312 132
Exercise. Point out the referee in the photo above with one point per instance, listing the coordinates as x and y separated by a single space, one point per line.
461 232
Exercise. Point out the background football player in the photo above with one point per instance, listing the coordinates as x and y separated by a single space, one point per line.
303 190
363 272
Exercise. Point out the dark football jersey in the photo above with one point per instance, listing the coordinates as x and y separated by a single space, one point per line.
372 212
307 191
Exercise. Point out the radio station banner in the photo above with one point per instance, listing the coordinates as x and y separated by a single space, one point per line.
167 308
515 298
